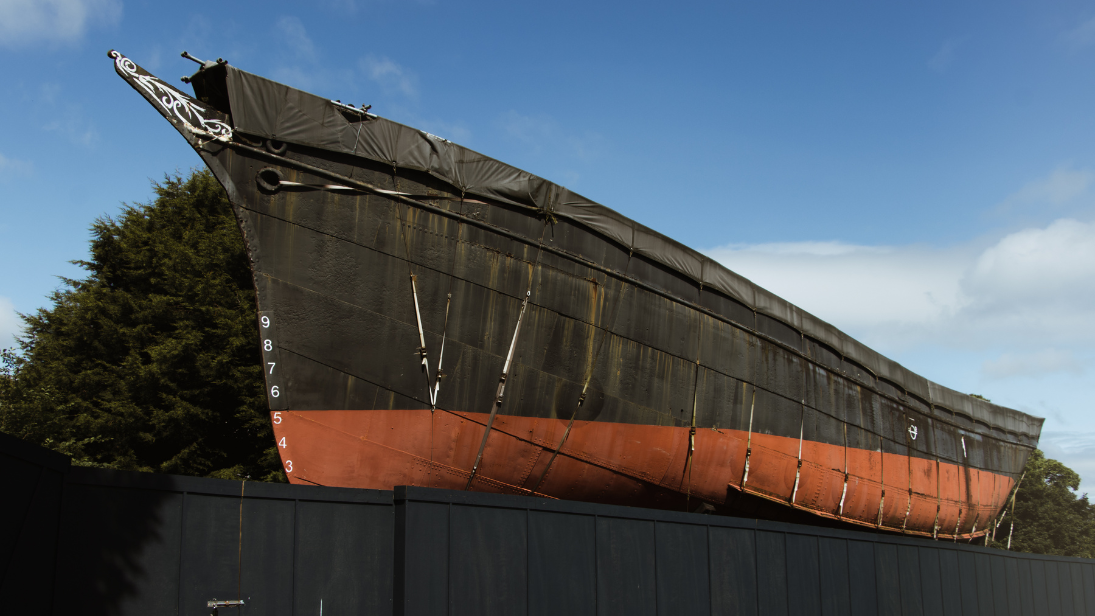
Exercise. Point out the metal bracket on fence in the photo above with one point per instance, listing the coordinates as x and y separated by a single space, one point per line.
214 604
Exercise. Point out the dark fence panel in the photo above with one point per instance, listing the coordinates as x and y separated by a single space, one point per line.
78 540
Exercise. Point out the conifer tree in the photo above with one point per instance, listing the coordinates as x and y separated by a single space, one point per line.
151 362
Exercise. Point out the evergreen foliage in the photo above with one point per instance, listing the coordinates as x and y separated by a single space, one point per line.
151 362
1050 517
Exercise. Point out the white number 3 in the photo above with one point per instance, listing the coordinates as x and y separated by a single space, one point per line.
288 466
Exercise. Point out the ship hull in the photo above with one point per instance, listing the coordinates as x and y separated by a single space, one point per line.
414 334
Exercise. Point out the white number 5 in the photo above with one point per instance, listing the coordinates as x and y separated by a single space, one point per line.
277 417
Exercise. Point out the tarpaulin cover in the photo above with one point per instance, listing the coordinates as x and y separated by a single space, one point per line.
265 108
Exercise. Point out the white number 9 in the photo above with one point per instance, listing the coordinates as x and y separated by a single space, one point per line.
267 345
274 393
265 321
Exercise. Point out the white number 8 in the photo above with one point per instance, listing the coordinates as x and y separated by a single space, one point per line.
267 345
265 321
274 393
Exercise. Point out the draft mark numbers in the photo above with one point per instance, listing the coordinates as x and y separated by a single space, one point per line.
276 395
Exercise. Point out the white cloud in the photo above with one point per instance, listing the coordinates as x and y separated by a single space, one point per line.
24 22
71 123
391 77
1075 450
1080 36
10 324
13 168
944 55
1030 295
866 290
539 131
1063 186
1035 364
295 37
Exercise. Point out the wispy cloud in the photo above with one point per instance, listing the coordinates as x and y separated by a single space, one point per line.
1076 450
10 324
944 55
71 124
1080 36
1034 364
540 131
25 22
391 77
295 38
11 168
1062 186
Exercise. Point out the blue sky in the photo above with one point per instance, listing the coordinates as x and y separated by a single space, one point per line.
919 174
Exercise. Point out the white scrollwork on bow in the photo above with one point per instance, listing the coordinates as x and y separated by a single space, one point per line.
183 107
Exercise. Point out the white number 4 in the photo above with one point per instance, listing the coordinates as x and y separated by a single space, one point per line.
281 443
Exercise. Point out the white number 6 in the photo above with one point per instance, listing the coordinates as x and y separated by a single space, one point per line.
277 417
274 393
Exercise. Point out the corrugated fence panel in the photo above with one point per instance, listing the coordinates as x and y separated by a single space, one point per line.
90 541
562 565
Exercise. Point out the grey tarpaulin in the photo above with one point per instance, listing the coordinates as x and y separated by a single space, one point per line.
265 108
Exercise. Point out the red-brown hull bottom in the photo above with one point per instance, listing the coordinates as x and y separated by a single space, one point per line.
636 465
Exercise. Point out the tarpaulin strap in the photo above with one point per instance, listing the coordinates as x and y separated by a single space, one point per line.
938 500
1013 495
844 492
749 439
908 510
588 377
692 431
798 469
957 525
441 356
752 405
882 467
422 343
497 404
414 292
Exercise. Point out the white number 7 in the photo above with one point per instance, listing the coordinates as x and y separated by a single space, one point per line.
272 364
